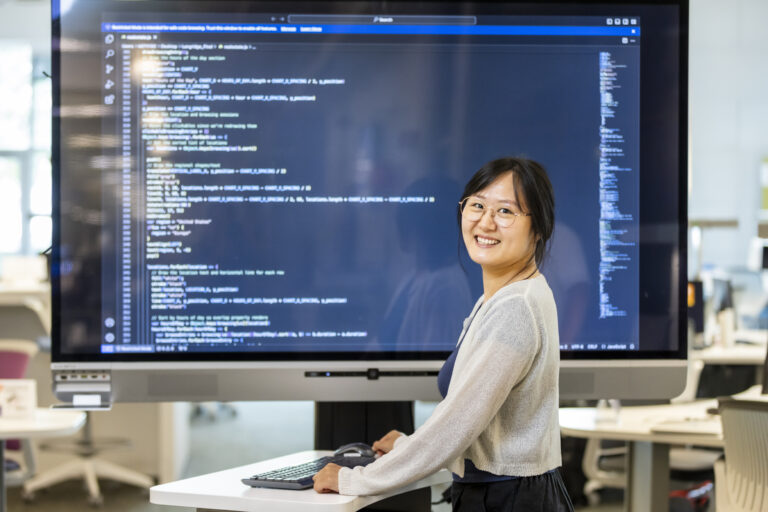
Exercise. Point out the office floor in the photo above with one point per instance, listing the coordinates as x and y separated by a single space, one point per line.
219 441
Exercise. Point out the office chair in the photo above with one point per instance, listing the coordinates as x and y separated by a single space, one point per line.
18 320
212 411
87 466
741 480
603 462
14 358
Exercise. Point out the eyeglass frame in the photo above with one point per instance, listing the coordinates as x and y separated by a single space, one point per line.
493 212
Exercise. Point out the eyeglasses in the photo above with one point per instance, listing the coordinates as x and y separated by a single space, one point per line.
473 208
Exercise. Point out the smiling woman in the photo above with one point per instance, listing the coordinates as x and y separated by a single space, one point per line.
497 426
506 217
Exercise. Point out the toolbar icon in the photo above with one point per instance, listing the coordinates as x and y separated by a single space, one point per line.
625 21
110 53
109 99
609 21
109 84
109 39
108 68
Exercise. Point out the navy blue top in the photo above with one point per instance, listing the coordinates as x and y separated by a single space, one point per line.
471 473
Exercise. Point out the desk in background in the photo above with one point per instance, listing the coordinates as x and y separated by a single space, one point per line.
650 430
738 354
159 432
45 423
36 297
223 490
732 373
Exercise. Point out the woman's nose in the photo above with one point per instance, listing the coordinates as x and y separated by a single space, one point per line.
487 221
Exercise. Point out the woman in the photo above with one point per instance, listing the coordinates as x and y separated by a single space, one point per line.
497 427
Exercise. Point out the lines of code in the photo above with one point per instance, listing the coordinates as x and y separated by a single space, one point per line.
193 116
614 223
290 193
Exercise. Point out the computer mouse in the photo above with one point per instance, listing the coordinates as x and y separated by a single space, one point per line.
355 449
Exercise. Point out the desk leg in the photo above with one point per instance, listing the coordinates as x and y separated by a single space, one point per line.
647 478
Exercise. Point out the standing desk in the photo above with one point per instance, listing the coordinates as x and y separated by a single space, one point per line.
223 490
45 423
650 430
738 354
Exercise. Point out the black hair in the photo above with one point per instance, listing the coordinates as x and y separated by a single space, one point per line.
532 182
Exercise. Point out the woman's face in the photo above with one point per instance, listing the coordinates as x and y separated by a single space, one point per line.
497 248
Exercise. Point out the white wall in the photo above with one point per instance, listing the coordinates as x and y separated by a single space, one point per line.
729 120
27 20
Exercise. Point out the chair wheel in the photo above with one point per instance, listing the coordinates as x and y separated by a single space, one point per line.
96 502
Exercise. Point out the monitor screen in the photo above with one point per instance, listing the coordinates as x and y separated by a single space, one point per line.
278 181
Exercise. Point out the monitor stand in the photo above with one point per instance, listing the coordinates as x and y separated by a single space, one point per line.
339 423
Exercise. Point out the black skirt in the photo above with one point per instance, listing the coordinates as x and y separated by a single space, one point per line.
542 493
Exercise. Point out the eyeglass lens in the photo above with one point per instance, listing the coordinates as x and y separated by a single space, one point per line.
473 210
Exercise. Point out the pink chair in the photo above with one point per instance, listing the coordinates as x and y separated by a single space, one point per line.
14 358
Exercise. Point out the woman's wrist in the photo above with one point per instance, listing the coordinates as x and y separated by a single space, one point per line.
399 440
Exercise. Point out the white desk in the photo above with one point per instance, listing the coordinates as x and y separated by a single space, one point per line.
36 297
650 430
224 490
756 336
45 423
740 354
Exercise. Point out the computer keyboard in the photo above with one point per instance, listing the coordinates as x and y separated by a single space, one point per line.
300 476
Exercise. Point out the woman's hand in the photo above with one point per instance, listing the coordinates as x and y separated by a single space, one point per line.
327 479
386 443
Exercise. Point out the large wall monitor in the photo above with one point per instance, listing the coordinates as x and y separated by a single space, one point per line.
257 200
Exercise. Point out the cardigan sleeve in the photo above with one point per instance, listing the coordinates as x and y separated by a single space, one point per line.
500 354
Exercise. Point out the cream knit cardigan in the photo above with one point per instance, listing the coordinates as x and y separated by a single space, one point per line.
501 408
